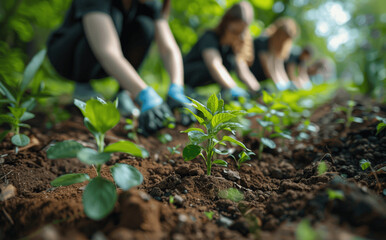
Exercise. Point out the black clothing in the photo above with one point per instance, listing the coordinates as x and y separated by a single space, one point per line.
260 45
294 58
69 50
196 73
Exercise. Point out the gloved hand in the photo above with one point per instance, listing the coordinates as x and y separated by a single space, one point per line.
178 100
154 111
234 93
281 86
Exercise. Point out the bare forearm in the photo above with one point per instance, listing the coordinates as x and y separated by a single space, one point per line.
246 76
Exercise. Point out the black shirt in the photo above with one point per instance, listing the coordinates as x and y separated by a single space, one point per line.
260 45
294 58
196 72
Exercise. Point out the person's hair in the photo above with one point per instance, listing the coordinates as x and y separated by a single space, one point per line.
308 49
240 11
282 25
166 9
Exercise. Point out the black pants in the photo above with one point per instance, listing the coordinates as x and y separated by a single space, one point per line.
196 74
82 66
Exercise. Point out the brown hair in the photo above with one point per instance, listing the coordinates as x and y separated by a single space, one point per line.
240 11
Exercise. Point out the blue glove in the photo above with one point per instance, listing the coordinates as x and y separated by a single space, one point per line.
281 86
148 99
178 100
154 111
308 85
237 92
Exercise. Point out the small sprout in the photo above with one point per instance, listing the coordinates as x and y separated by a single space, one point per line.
209 215
335 194
171 199
232 194
215 119
243 157
381 126
164 138
365 164
174 150
322 167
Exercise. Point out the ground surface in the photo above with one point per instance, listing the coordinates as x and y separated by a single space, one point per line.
279 191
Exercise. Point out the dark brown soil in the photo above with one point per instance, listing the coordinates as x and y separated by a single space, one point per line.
279 191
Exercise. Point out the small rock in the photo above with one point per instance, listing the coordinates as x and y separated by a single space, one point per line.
182 218
178 200
7 192
145 197
231 175
224 221
98 236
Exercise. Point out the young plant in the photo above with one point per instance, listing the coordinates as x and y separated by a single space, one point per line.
130 126
243 157
348 112
174 150
365 164
381 126
232 194
214 119
100 195
20 104
209 215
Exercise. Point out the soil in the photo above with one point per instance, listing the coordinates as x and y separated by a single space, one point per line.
280 190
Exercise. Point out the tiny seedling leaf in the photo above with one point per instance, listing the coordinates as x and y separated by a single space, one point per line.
6 92
268 142
335 194
125 147
20 140
264 123
364 164
80 104
380 127
126 176
69 179
191 151
220 162
193 129
17 112
65 149
90 156
232 194
99 198
27 116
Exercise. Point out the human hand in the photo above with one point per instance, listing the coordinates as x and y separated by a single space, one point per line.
177 100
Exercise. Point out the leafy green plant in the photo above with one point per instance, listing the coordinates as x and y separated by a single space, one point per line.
348 112
100 195
164 137
365 164
130 126
215 120
242 158
20 104
232 194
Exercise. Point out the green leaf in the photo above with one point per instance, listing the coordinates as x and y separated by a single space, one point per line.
268 142
126 176
199 106
164 138
80 104
99 198
335 194
380 127
65 149
212 103
232 140
357 119
7 119
24 125
221 117
27 116
190 152
218 151
3 135
29 104
220 162
197 137
17 112
32 69
70 179
90 156
193 129
364 164
102 116
268 99
199 119
7 93
220 107
20 140
125 147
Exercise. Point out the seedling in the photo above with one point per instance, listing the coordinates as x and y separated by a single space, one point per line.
164 138
19 103
322 168
243 157
335 194
348 112
209 215
232 194
304 231
203 142
130 126
381 126
100 195
365 164
174 150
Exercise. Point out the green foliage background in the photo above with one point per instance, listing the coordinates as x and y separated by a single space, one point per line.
26 24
